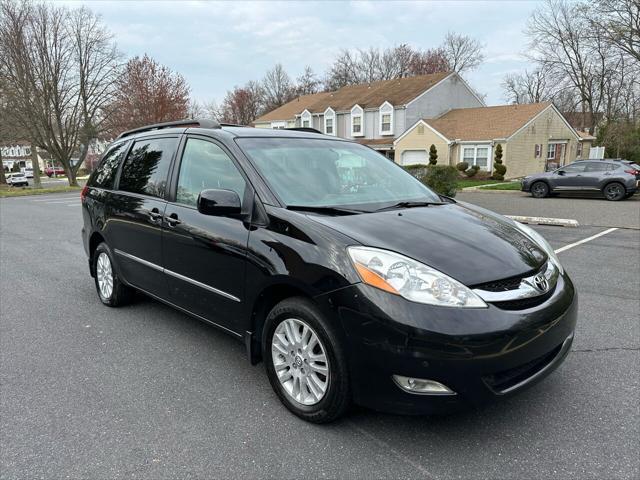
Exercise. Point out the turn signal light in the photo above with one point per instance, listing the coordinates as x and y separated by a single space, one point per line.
83 193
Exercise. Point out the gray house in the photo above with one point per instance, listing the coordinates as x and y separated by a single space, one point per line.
377 113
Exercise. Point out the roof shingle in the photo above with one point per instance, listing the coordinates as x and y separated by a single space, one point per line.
485 123
289 110
399 91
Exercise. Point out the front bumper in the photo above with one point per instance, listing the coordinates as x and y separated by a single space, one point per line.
481 354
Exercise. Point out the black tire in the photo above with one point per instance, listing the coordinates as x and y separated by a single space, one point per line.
337 397
614 191
121 294
539 190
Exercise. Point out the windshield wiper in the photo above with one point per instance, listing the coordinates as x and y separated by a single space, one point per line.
407 204
321 209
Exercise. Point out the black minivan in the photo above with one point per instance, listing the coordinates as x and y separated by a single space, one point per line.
348 277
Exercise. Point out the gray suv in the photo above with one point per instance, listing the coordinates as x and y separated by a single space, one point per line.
615 179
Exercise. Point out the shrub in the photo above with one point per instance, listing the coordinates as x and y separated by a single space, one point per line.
462 166
418 170
498 168
472 171
433 155
443 179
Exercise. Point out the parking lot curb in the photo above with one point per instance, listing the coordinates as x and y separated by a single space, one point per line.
560 222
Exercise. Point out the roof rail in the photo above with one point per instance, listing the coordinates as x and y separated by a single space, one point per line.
232 125
304 129
204 123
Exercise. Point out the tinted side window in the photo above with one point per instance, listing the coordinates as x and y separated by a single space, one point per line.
147 165
599 167
574 168
205 165
106 172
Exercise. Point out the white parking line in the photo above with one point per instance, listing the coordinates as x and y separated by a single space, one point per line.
56 199
585 240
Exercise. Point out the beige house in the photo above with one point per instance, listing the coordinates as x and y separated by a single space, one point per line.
534 138
584 145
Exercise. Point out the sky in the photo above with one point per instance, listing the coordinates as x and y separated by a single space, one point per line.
218 45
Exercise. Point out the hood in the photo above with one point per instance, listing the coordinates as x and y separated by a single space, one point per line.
539 175
468 243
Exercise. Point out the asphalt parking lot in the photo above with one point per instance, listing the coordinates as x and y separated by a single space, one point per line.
147 392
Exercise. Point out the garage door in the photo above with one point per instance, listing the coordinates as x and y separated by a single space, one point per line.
411 157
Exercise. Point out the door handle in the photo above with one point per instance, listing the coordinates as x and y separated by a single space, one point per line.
155 214
173 220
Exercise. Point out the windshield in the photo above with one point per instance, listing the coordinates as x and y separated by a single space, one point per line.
329 173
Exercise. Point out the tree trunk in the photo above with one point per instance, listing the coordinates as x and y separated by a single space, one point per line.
71 174
3 179
35 165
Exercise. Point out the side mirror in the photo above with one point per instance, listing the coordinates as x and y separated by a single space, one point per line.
561 172
219 202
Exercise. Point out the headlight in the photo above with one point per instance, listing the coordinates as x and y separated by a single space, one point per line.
541 242
412 280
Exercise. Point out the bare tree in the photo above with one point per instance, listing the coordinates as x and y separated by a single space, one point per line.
147 93
462 52
59 65
345 70
395 62
277 87
307 83
531 86
619 23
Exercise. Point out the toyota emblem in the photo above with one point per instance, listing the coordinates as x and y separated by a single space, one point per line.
541 283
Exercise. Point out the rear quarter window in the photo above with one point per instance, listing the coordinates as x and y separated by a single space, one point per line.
105 174
146 168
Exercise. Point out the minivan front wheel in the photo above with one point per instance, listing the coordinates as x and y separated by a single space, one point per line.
111 290
305 361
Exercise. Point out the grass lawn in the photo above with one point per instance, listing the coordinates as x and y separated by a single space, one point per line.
470 182
504 186
18 191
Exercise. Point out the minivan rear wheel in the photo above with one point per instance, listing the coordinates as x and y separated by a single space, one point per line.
305 361
111 290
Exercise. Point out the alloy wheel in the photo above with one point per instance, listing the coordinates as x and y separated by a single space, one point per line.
104 273
614 191
539 189
300 361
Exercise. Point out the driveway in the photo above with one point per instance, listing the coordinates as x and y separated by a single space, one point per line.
587 211
144 391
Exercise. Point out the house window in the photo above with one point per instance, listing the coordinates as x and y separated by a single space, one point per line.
386 119
579 152
328 126
306 119
477 155
551 151
538 150
329 121
357 125
278 125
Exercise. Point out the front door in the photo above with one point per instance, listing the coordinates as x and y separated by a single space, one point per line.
134 229
569 177
204 256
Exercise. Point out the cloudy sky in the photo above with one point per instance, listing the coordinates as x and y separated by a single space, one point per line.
217 45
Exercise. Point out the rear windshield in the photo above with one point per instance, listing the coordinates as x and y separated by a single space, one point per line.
330 173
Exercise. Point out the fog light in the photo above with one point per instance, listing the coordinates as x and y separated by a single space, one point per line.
422 386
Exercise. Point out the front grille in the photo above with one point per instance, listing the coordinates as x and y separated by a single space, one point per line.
502 381
524 303
511 283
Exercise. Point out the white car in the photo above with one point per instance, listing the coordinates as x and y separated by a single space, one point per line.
17 179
